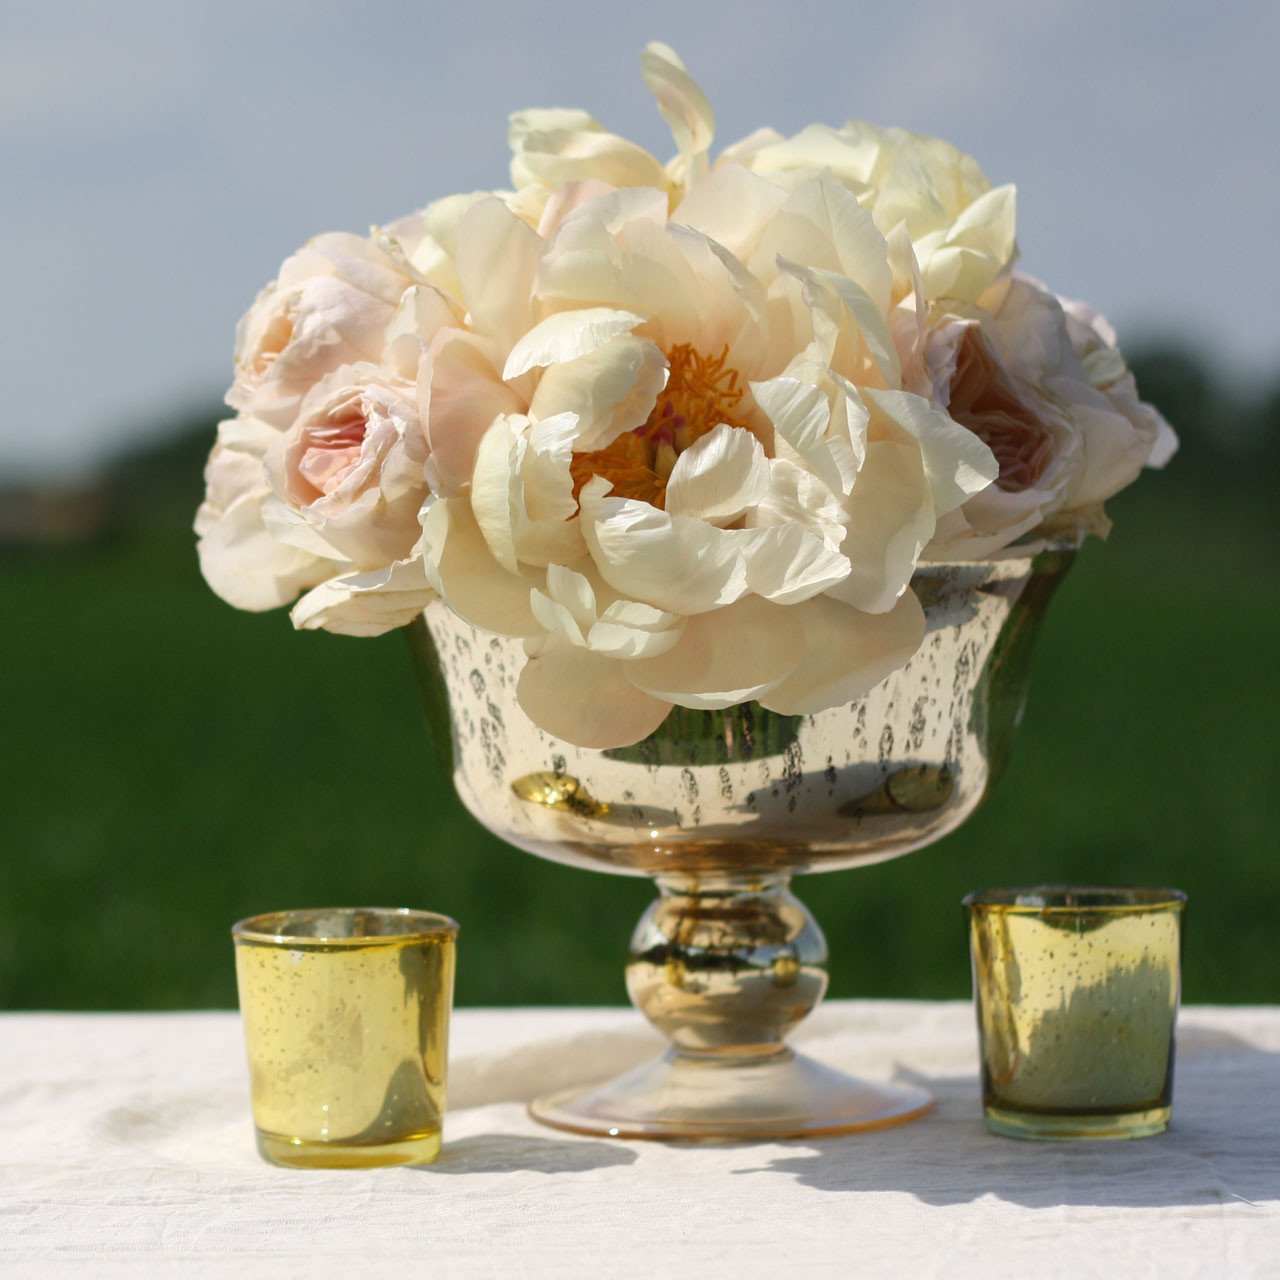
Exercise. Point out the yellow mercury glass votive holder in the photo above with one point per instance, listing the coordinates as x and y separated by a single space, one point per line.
1077 992
346 1023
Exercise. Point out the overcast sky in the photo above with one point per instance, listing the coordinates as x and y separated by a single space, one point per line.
158 158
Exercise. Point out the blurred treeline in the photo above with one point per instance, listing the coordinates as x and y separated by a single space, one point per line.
173 764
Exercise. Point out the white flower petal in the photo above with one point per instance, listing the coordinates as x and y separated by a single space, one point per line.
459 396
497 262
628 629
584 698
366 604
731 206
956 461
824 227
890 519
787 563
557 620
462 569
723 658
683 105
610 390
721 475
573 590
846 653
245 565
558 146
672 563
974 250
566 335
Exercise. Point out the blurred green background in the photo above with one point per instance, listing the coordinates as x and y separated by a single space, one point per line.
172 764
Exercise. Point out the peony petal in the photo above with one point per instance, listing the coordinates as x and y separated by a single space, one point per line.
683 105
556 619
723 658
497 262
957 463
566 335
890 519
558 146
846 654
572 590
610 390
975 248
584 698
495 490
673 563
834 301
799 411
629 629
787 563
731 206
721 475
462 569
823 226
459 396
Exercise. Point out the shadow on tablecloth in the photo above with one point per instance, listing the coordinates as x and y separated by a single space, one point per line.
1221 1146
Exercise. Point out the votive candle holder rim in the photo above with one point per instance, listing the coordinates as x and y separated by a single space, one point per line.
270 928
1074 899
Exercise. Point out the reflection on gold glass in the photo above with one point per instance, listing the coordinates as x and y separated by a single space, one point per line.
1077 996
346 1018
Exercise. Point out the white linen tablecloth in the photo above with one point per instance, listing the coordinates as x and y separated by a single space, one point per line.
126 1149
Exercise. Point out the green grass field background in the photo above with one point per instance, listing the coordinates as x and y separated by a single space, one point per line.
172 765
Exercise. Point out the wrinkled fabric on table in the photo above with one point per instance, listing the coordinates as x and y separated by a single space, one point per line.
126 1149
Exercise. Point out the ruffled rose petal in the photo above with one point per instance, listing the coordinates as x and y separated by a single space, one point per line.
846 654
366 604
586 699
723 658
245 565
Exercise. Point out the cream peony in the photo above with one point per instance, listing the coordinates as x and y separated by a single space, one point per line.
706 467
687 428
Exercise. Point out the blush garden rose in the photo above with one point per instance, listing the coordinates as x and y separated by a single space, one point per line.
687 429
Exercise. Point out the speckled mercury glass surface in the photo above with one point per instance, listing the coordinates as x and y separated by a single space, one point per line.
346 1020
1077 993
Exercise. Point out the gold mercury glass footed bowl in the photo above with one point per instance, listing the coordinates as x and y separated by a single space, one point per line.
721 808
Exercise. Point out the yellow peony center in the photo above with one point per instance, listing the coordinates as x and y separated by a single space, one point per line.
700 394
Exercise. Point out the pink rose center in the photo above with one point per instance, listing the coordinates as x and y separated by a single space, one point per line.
984 399
328 451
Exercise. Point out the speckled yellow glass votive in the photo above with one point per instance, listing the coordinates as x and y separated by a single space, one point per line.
346 1022
1077 994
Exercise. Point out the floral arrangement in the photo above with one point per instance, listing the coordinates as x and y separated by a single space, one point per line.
687 429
